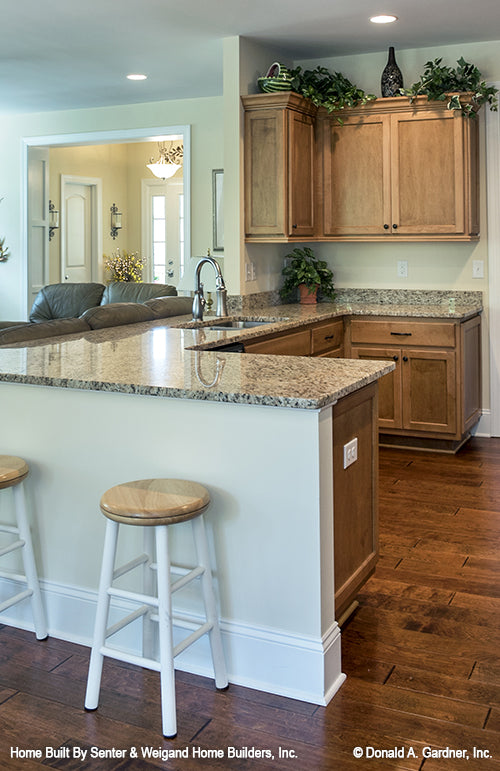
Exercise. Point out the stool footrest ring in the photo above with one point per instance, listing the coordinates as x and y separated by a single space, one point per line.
127 620
12 547
128 566
15 599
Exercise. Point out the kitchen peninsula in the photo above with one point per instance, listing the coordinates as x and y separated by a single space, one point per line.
266 435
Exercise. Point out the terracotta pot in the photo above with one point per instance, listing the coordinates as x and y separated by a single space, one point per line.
307 296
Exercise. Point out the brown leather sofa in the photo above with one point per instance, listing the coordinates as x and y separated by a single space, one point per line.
65 309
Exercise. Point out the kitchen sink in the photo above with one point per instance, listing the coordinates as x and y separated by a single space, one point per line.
235 324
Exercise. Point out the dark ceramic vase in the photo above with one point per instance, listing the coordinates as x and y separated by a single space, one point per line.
392 79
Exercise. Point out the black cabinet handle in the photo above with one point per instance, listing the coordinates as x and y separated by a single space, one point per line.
395 358
405 358
386 227
395 227
294 226
328 337
401 334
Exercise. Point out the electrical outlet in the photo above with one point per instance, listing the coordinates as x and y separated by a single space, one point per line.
477 268
350 452
403 268
250 273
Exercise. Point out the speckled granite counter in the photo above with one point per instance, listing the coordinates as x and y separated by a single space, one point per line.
160 361
172 357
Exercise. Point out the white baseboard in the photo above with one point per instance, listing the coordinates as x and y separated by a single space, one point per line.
269 660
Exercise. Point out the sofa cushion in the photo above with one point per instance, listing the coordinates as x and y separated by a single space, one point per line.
23 333
170 306
129 292
116 314
63 301
6 324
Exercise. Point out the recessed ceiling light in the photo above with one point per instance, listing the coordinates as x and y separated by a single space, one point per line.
383 19
136 76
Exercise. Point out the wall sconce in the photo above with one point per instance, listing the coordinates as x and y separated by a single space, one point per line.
53 219
116 220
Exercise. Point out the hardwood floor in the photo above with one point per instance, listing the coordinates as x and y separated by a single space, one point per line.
420 653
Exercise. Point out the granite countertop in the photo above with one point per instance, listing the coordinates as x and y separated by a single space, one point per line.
161 361
173 357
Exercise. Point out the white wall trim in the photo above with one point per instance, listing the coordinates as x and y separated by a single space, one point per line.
493 213
287 664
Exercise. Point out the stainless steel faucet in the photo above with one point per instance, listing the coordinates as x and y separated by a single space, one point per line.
220 290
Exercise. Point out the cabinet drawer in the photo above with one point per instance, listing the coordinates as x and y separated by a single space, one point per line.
326 337
293 344
404 333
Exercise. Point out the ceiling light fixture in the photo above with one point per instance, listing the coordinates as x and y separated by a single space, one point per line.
383 19
136 76
168 163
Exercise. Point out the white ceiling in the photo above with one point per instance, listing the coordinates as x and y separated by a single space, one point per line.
63 55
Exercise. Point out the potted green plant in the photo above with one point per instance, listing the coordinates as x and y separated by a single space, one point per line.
330 90
441 82
307 273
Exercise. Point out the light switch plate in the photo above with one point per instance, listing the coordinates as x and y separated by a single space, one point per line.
477 268
350 452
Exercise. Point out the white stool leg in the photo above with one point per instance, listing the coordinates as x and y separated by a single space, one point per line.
167 674
200 539
149 587
29 562
96 657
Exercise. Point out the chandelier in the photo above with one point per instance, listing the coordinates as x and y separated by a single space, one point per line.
168 163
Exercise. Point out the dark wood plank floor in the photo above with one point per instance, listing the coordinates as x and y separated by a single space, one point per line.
421 654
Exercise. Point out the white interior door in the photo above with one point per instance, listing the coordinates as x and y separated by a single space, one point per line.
79 228
38 221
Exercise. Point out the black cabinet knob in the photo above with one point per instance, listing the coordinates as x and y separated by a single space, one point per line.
405 358
386 227
294 226
395 358
395 227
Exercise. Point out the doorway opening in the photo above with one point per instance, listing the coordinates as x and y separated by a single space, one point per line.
51 262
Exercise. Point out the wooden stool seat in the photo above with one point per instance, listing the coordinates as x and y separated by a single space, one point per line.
12 470
155 502
155 505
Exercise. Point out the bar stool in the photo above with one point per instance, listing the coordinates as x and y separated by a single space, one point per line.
155 505
13 472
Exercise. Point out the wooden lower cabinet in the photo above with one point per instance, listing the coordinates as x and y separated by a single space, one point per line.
355 496
434 391
289 344
433 396
321 339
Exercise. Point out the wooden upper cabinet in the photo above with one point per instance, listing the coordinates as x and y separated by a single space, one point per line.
391 170
279 167
400 170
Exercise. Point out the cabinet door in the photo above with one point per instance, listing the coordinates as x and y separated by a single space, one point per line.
265 166
390 408
427 166
356 176
300 174
429 390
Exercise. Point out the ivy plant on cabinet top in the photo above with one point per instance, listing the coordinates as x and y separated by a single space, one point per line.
440 82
